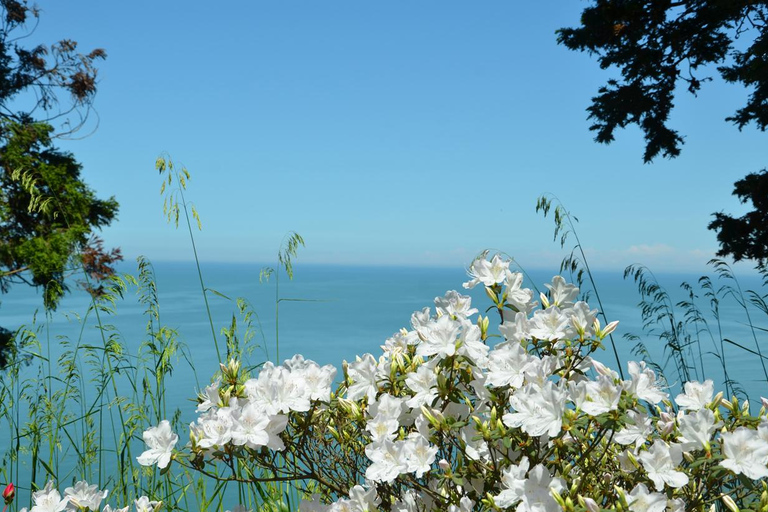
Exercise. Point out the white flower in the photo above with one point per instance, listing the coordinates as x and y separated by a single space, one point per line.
696 429
745 453
517 296
388 461
423 382
250 427
209 397
454 304
382 428
643 383
562 294
488 273
637 432
583 318
550 324
363 375
277 389
534 492
83 495
513 479
697 395
640 500
48 500
143 504
538 410
515 327
161 441
602 396
364 500
507 364
439 337
419 455
660 461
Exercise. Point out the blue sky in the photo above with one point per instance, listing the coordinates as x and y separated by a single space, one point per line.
394 133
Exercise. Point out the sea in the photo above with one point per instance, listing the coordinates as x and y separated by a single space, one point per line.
331 314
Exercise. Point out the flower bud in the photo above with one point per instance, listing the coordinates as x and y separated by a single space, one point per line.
729 503
9 493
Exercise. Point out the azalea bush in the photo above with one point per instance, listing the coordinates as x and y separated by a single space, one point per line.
454 417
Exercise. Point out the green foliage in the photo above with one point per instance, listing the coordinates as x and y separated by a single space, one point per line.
47 213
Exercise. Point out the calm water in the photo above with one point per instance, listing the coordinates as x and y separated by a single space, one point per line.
346 311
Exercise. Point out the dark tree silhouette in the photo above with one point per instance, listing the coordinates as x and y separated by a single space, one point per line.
657 47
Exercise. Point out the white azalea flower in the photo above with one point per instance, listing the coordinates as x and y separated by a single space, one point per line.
363 375
455 304
513 479
583 318
423 382
382 428
161 441
507 365
561 293
550 324
697 395
640 500
419 455
539 411
389 460
83 495
250 427
364 500
637 432
515 327
144 504
745 453
472 346
696 429
602 396
643 383
519 297
660 462
48 500
440 338
488 273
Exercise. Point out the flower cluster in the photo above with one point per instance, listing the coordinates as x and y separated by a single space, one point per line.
454 417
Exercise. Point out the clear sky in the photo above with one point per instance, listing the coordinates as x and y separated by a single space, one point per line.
397 132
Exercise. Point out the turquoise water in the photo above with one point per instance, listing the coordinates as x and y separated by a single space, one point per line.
348 311
343 312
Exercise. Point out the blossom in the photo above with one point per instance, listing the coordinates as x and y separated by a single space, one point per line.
440 337
538 411
534 492
419 455
660 461
550 324
697 395
640 500
389 460
637 432
363 375
745 453
488 273
562 294
643 383
161 441
602 396
83 495
507 365
144 504
696 429
455 304
48 500
250 427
